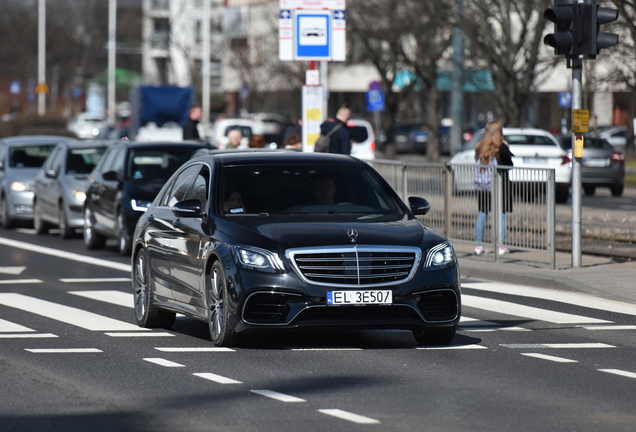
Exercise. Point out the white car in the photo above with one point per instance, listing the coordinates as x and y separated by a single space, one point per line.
223 126
86 126
364 150
532 148
616 136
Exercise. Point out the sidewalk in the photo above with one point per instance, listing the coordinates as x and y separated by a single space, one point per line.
602 277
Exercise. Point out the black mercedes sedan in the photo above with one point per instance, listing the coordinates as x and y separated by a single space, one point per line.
249 241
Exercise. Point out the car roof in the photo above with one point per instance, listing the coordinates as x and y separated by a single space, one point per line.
36 139
274 157
88 143
160 144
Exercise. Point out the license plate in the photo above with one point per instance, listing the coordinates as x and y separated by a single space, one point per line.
535 160
359 297
596 162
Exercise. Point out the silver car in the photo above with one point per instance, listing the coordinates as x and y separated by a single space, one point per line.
61 184
20 161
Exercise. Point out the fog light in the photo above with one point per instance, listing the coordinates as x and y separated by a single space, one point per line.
23 209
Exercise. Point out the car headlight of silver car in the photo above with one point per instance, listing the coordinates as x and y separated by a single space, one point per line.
79 195
21 187
254 258
439 257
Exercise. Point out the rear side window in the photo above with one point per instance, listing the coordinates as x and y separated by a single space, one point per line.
539 140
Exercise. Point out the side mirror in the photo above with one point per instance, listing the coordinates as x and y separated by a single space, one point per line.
419 206
110 176
187 208
50 174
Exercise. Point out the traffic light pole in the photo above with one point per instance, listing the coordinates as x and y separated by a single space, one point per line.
577 209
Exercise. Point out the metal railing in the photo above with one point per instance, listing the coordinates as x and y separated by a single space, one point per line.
450 189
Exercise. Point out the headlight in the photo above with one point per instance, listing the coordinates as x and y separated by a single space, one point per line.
79 195
21 187
140 205
439 257
258 259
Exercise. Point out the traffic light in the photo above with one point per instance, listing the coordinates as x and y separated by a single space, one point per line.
593 40
566 37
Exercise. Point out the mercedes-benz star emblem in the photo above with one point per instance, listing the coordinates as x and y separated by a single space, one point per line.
353 235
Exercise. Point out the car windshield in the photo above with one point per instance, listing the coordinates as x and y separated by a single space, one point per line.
30 156
306 189
156 165
246 131
82 161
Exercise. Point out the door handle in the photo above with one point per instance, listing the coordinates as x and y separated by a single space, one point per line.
151 218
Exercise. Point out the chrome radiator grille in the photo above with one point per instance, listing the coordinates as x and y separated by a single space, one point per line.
355 265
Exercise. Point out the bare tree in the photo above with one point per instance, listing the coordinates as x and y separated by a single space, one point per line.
398 36
507 36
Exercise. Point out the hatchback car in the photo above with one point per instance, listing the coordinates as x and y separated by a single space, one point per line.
223 126
364 148
61 185
601 166
122 186
250 241
532 148
20 161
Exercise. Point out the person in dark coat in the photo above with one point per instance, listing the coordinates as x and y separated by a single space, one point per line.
340 140
190 131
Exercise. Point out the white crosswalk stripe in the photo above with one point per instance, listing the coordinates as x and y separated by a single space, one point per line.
66 314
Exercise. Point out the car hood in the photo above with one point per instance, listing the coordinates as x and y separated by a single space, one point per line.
280 234
142 191
77 181
26 175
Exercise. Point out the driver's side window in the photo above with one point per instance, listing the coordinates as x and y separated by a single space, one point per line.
181 185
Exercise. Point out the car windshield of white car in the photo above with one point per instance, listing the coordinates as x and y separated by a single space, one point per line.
286 189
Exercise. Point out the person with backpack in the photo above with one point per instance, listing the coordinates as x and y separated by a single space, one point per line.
491 150
336 131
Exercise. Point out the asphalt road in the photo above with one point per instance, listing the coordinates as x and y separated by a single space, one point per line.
72 359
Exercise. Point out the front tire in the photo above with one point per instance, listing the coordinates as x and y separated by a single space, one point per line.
39 225
124 242
92 240
435 336
146 313
221 333
5 220
62 220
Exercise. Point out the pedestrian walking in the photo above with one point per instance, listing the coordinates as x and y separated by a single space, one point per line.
190 131
491 150
340 140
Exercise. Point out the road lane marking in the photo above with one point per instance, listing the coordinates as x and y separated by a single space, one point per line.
12 270
134 334
64 350
194 349
568 297
9 327
466 321
550 358
278 396
118 298
27 335
453 347
66 314
619 372
216 378
509 308
163 362
324 349
558 345
20 281
65 255
611 327
355 418
93 280
493 329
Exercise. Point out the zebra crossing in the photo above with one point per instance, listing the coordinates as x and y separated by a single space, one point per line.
483 307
